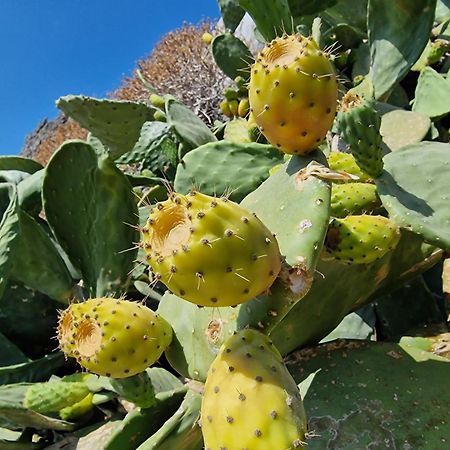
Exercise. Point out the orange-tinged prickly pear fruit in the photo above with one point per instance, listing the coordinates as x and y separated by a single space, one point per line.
113 337
250 399
210 251
293 93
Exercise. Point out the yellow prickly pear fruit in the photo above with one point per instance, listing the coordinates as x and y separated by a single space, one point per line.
210 251
293 93
157 101
113 337
234 107
243 107
207 38
250 400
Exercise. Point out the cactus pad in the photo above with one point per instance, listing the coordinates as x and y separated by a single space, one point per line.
359 125
414 190
210 251
353 198
251 400
292 93
361 239
113 337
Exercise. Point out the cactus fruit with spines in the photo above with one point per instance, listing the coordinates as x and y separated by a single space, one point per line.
361 239
353 199
113 337
209 250
293 93
250 399
345 162
358 123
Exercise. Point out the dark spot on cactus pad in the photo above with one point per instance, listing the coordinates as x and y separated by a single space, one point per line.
242 397
230 419
216 389
259 378
258 433
231 369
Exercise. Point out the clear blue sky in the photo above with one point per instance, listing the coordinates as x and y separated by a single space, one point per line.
50 48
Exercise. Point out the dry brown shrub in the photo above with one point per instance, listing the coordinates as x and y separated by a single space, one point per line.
182 65
49 135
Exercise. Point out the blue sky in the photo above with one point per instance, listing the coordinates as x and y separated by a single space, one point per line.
51 48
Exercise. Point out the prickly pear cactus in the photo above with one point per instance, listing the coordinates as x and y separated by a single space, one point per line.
113 337
210 251
361 239
359 125
345 162
353 198
250 399
137 389
293 93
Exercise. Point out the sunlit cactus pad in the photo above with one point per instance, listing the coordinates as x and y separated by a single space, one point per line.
411 188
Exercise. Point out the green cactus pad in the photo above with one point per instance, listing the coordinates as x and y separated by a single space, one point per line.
189 127
116 123
182 430
113 337
53 396
386 399
236 131
90 206
18 163
414 190
231 55
141 423
432 96
78 409
209 250
9 230
150 151
137 389
361 239
353 198
271 18
400 128
293 93
37 262
294 204
213 167
358 123
333 295
198 334
250 399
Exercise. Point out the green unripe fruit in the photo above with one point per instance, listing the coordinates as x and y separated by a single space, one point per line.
113 337
345 162
353 198
77 409
230 94
210 251
52 396
250 400
157 101
241 84
359 125
234 107
361 239
293 93
160 116
244 107
225 108
137 389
